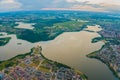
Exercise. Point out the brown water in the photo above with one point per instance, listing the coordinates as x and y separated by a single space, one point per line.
25 25
69 48
12 48
72 48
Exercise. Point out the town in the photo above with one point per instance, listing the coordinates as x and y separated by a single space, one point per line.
110 52
37 67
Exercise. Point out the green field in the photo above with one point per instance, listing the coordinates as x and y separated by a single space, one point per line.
50 32
70 26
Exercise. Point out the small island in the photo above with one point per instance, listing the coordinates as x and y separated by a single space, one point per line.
19 43
4 41
34 66
1 34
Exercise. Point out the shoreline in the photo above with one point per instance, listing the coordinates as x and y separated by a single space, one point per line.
4 41
11 62
66 66
93 55
57 62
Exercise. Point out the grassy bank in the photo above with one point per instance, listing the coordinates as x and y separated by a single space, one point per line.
13 61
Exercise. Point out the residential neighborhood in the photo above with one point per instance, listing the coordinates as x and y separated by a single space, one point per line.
36 67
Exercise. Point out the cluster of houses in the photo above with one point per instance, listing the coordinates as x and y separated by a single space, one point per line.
67 74
35 67
111 55
110 34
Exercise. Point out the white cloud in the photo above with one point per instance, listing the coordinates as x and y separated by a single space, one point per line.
74 0
79 7
87 8
9 5
117 2
110 7
87 5
96 5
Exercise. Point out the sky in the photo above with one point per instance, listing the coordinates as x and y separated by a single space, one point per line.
83 5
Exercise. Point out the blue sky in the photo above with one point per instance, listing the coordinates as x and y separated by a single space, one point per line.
84 5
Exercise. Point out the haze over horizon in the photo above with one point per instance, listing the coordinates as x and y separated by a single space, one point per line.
82 5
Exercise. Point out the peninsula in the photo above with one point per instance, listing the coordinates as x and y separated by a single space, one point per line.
109 53
34 66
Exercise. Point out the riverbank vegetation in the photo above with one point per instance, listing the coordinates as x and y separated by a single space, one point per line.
13 61
41 61
108 56
1 34
4 41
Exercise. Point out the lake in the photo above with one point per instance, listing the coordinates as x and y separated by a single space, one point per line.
69 48
25 25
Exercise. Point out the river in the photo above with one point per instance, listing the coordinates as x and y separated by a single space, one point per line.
69 48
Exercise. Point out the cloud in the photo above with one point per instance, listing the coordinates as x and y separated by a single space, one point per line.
73 1
9 5
110 7
96 5
79 8
86 5
96 1
88 8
